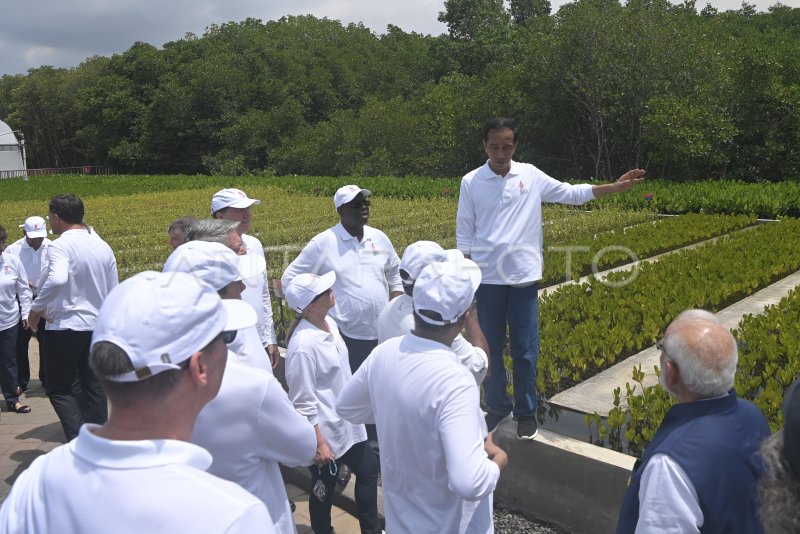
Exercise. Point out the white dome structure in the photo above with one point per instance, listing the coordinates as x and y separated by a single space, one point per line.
12 154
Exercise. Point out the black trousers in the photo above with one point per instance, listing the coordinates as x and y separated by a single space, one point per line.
23 364
364 465
74 391
8 366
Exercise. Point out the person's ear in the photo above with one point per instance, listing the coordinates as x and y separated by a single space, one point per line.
198 369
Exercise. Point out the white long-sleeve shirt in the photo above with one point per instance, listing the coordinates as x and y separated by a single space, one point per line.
13 284
251 427
94 485
366 272
317 369
257 289
397 319
435 472
668 502
499 220
34 261
81 270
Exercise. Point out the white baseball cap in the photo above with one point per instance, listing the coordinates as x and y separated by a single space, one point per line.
446 288
304 287
34 227
347 193
209 262
160 319
419 255
231 198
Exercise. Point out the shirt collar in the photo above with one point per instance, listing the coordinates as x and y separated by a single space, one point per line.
414 343
489 174
140 454
320 334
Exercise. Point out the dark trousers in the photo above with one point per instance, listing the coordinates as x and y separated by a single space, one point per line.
73 389
23 364
358 350
364 465
8 365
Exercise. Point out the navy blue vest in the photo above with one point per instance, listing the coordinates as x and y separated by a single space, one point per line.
716 443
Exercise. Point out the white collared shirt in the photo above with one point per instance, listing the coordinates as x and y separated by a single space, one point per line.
435 473
248 349
34 261
668 502
365 274
317 369
499 220
81 270
257 290
94 485
397 319
13 284
249 428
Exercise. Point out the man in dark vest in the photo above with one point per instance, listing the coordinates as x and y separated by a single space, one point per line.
699 473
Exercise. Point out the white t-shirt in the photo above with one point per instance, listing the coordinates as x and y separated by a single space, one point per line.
257 289
13 283
426 406
317 368
365 273
397 319
34 261
93 485
499 220
81 270
249 428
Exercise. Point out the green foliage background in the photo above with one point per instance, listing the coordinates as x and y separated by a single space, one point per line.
597 87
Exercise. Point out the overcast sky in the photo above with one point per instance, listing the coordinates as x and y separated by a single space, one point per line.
62 33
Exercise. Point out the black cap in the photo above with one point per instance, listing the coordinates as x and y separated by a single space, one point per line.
791 428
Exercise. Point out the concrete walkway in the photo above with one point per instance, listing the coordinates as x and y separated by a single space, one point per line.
596 393
24 437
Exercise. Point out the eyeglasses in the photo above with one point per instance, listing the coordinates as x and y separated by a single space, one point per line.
358 204
228 336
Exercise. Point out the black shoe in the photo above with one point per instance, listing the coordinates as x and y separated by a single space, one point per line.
493 419
526 427
292 505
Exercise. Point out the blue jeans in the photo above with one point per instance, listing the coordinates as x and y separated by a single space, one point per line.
517 307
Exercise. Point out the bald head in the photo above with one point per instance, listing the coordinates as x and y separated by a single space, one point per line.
704 353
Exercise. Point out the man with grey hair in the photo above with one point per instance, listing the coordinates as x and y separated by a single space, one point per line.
700 470
217 231
177 231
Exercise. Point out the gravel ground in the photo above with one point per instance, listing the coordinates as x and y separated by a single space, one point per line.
508 522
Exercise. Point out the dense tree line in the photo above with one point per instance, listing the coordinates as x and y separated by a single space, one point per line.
598 87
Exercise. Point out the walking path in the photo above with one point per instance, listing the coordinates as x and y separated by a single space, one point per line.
24 437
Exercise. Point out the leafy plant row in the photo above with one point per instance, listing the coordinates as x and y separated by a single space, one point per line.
618 247
769 361
765 200
585 328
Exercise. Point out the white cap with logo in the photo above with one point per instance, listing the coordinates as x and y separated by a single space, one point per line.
231 198
34 227
347 193
304 287
446 288
160 319
209 262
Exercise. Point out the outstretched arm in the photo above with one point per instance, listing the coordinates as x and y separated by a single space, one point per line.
623 183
